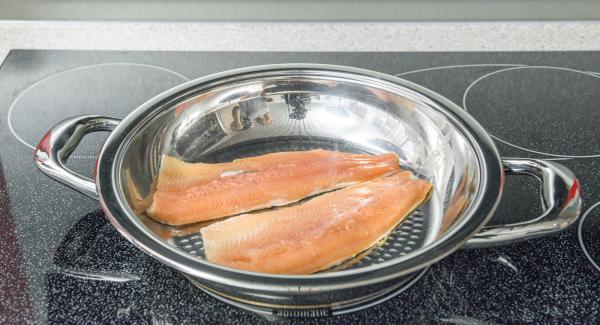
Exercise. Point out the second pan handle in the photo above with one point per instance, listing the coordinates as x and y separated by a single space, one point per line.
561 201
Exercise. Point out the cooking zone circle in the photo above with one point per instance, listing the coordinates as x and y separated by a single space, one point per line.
546 120
588 233
85 90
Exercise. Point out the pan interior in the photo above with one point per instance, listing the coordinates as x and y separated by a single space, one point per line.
302 111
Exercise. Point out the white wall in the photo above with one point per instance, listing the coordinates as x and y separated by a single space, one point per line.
300 10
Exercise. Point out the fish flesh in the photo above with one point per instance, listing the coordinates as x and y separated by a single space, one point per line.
317 234
176 173
193 192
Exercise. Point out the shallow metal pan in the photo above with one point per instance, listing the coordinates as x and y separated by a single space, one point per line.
313 106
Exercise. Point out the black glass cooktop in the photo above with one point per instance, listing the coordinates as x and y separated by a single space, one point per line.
62 262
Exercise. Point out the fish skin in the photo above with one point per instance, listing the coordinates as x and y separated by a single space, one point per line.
317 234
257 183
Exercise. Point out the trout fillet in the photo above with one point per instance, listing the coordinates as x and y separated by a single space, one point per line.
193 192
317 234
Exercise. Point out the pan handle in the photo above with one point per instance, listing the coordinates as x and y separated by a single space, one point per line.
57 145
561 201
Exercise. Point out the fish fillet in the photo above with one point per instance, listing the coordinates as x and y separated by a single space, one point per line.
317 234
188 193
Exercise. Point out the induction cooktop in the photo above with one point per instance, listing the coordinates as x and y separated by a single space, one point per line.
61 261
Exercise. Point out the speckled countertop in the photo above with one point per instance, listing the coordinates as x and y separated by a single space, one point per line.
383 36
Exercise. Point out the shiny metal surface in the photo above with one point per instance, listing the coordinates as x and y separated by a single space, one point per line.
561 201
265 109
58 143
341 307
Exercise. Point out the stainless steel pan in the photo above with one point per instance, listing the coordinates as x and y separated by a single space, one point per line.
313 106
